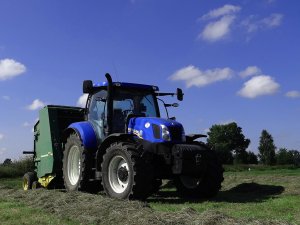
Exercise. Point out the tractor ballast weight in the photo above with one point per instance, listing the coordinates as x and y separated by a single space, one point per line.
119 143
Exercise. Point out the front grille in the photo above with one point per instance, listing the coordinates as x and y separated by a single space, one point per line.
156 131
176 133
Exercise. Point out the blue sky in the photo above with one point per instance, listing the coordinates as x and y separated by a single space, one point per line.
235 60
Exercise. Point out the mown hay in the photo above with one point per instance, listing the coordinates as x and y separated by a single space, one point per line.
98 209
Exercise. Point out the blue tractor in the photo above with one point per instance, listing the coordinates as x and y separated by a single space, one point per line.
120 144
126 148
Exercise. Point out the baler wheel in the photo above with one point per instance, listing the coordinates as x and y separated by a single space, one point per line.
28 179
35 185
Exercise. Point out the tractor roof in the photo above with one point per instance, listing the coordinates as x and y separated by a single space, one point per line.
128 85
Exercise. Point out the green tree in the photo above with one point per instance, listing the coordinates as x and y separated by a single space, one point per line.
296 157
284 157
227 139
266 148
240 158
246 157
7 162
252 158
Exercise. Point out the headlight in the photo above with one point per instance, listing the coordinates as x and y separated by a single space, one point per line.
165 133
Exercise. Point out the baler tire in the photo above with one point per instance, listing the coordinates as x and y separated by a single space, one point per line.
206 187
81 182
35 185
125 174
28 180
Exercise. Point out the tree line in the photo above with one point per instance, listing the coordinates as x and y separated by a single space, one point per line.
231 146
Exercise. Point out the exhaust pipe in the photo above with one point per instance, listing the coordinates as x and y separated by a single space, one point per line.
109 102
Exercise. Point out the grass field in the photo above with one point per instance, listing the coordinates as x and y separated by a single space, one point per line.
247 197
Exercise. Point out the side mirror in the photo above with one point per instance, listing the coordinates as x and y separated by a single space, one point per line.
87 86
179 94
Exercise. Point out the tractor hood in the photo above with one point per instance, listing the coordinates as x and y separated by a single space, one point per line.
154 129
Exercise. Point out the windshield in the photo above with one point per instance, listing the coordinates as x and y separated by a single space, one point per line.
141 103
134 102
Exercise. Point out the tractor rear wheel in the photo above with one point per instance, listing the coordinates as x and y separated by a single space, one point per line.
77 166
28 180
206 186
125 174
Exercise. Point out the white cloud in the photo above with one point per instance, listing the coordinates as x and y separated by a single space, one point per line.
273 20
222 11
1 136
222 20
258 86
82 100
217 30
252 24
293 94
249 24
250 71
220 25
193 76
36 104
10 68
6 98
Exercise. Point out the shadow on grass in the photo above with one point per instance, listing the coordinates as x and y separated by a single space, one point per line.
249 192
242 193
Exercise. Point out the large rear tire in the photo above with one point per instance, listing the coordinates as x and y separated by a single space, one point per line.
208 185
77 166
125 174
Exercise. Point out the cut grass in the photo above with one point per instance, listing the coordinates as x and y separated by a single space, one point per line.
247 194
13 212
13 183
248 197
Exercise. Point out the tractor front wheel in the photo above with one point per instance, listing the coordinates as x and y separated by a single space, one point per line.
125 175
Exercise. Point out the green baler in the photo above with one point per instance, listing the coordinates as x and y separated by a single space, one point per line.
48 142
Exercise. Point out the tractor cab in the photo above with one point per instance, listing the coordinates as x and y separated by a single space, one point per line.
115 107
128 102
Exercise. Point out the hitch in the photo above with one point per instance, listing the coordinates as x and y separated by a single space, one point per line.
28 152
